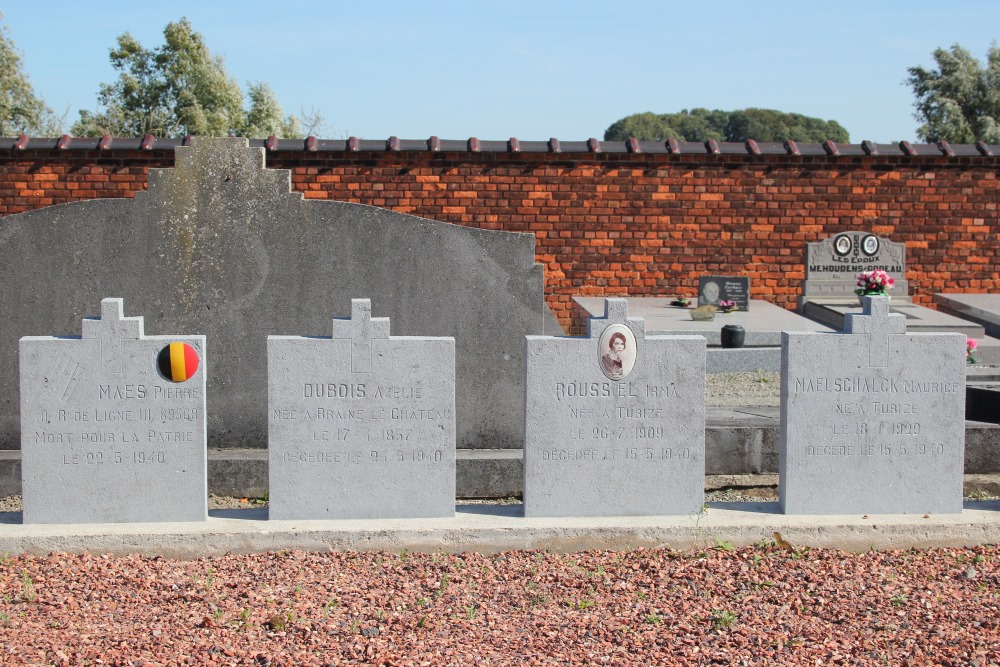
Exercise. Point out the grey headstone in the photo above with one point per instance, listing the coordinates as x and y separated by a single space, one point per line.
604 440
362 424
833 265
872 420
219 244
106 438
713 289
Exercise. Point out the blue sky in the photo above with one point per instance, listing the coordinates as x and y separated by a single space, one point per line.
526 69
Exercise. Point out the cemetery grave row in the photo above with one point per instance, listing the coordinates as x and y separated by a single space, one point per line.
362 424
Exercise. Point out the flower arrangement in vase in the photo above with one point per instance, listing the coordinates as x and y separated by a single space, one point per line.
970 350
874 283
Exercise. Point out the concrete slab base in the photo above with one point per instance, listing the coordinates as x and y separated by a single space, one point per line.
983 309
764 322
736 360
496 528
918 320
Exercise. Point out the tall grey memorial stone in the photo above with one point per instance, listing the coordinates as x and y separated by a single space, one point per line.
362 424
113 424
221 245
615 422
873 419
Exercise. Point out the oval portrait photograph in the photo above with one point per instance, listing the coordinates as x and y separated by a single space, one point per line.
869 245
616 351
842 245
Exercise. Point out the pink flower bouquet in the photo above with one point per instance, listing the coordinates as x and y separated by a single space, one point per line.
874 283
970 348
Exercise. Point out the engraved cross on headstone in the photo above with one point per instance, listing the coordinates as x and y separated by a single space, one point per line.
113 329
876 321
616 312
361 329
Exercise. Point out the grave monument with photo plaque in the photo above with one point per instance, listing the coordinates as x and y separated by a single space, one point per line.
113 425
833 265
361 424
873 419
832 269
615 421
713 289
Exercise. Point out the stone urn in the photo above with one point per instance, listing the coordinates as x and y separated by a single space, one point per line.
733 335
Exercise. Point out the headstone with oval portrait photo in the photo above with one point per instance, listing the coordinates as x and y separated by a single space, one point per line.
833 265
113 426
715 289
615 421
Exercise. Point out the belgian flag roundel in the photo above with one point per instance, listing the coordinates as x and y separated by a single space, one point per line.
177 362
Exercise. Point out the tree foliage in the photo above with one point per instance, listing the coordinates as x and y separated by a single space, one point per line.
740 125
959 101
20 109
177 89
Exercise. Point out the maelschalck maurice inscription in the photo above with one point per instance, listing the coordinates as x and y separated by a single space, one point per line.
872 420
362 424
615 421
113 424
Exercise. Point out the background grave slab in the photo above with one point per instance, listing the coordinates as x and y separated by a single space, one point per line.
219 244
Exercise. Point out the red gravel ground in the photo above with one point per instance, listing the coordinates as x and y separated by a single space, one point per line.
749 606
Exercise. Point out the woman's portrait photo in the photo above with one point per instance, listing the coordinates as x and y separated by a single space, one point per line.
616 350
842 245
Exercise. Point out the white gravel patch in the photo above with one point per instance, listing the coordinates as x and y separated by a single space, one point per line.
754 388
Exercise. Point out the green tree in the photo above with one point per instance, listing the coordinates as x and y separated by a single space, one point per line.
177 89
959 100
20 109
703 124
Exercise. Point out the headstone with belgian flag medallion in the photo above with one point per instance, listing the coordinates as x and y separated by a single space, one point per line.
113 424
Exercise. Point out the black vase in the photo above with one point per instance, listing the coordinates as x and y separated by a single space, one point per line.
733 335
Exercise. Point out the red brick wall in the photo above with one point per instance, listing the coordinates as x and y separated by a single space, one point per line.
625 224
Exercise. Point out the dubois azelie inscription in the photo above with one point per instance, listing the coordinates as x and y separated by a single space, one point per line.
615 421
362 424
113 424
332 412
